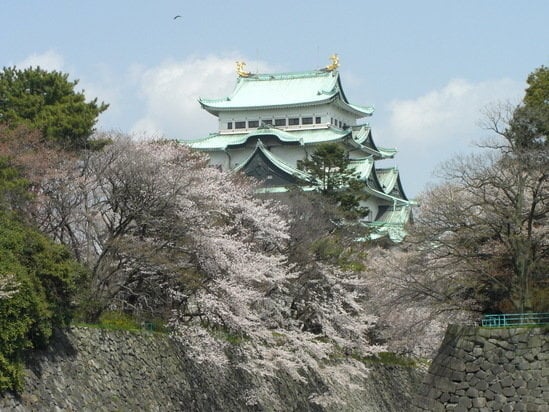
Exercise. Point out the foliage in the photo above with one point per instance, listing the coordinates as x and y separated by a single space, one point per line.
165 236
118 320
45 275
389 358
48 102
479 242
536 99
333 175
36 276
13 188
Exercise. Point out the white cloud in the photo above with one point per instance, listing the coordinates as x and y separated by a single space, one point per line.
49 60
171 91
439 124
449 113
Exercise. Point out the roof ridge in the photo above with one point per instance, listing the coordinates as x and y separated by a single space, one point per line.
291 75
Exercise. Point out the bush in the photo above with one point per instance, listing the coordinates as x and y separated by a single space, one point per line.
46 275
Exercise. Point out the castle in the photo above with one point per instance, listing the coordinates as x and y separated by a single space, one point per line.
272 121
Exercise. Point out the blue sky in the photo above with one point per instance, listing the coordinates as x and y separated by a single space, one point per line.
428 67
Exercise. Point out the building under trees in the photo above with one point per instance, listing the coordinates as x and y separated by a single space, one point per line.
272 124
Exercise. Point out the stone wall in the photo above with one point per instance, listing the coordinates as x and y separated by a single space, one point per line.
480 370
97 370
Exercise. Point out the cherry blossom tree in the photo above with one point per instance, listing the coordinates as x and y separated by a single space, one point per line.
479 242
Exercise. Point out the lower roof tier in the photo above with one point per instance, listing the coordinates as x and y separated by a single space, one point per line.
356 137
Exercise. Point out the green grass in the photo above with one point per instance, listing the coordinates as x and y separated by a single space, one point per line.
116 320
388 358
226 335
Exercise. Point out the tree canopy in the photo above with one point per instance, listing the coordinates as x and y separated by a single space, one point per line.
37 279
480 238
332 174
48 101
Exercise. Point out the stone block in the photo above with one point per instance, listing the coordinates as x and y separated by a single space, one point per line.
445 397
430 405
489 347
524 366
509 354
520 407
528 356
457 376
519 383
472 392
509 391
485 365
465 402
465 345
479 402
434 393
458 365
535 341
481 374
507 381
522 391
532 384
509 367
472 367
445 385
481 385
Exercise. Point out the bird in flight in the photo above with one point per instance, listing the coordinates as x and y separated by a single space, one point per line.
176 17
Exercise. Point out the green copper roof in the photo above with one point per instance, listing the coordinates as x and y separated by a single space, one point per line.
362 138
387 178
218 141
301 175
283 90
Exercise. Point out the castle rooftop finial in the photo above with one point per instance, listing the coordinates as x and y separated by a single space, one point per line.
240 69
335 63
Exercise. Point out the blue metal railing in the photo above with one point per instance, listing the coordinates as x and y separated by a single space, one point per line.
515 319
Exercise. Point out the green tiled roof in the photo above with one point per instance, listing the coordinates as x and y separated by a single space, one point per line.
275 161
387 178
218 141
283 90
362 137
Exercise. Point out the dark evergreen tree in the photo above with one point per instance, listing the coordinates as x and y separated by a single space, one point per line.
333 176
49 102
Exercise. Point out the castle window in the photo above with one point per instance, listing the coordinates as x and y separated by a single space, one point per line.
253 123
294 121
239 125
318 119
230 125
280 122
307 120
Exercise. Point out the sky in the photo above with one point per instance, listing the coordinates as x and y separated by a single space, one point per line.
429 67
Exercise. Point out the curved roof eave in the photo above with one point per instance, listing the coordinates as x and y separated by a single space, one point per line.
387 178
215 110
362 166
363 134
385 196
275 161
